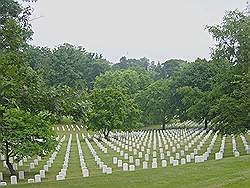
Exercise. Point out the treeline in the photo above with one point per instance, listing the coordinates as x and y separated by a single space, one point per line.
42 86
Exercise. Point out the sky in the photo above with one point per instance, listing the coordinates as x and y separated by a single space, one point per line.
156 29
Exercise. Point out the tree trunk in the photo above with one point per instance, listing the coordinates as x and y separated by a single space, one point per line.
106 134
206 123
163 125
9 165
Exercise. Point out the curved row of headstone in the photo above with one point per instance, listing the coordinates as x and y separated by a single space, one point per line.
246 146
63 172
68 128
102 166
137 161
37 177
85 171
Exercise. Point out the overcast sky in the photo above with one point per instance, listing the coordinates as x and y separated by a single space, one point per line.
156 29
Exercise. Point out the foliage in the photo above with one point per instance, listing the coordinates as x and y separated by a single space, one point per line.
24 134
130 81
111 110
155 102
232 39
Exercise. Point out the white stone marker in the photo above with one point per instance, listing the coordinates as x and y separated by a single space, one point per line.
183 161
32 166
59 177
31 180
13 180
104 168
114 160
175 162
119 163
125 167
37 178
125 156
218 156
131 159
3 183
46 168
137 162
42 173
140 154
145 165
1 176
146 157
131 167
154 164
171 160
85 172
188 159
109 170
164 163
21 175
199 159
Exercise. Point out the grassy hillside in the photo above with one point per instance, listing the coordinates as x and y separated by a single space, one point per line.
229 172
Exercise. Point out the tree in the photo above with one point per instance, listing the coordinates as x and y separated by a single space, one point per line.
111 110
24 134
192 86
130 81
71 66
25 129
155 103
229 112
142 63
67 101
232 39
169 68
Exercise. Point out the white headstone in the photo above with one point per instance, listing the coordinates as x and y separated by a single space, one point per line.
119 163
188 159
1 176
145 165
46 168
137 162
114 160
13 180
85 172
154 164
125 167
59 177
37 178
131 167
3 183
183 161
42 173
163 163
21 175
175 162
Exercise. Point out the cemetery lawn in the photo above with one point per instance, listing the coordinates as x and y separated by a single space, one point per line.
228 172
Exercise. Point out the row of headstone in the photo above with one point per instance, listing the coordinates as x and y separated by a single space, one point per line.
234 147
69 127
62 174
37 177
85 171
246 146
102 166
219 155
154 163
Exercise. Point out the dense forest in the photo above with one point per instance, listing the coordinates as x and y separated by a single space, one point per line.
42 86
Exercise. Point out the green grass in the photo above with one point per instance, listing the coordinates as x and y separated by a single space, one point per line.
229 172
